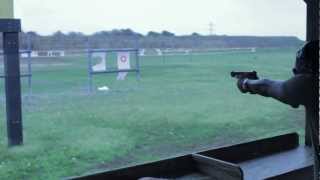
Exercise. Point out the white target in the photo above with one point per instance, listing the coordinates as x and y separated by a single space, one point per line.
123 64
123 59
101 65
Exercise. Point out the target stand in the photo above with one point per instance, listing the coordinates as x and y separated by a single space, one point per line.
102 68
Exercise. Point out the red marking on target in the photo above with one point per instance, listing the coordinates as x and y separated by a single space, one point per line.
123 59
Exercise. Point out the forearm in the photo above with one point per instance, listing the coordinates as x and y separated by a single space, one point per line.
270 88
265 87
298 90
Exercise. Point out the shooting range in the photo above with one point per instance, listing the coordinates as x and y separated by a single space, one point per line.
153 105
280 157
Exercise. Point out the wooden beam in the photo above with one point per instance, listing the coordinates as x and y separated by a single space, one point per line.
214 162
312 20
218 169
312 35
13 88
10 25
254 149
168 168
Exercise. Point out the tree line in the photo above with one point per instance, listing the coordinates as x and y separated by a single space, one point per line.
127 38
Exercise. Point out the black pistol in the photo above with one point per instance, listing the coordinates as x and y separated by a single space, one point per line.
242 75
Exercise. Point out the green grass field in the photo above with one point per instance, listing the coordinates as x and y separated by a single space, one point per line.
180 105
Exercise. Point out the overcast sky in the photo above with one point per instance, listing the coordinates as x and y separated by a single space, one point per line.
231 17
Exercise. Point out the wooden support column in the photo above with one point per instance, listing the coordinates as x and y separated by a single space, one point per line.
312 35
11 29
312 113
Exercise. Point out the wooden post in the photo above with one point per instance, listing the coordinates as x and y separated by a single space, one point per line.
312 20
10 28
12 87
312 35
312 113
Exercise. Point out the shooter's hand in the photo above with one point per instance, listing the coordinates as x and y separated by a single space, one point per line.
244 79
242 85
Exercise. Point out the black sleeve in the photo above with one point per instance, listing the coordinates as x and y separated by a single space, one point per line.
299 90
